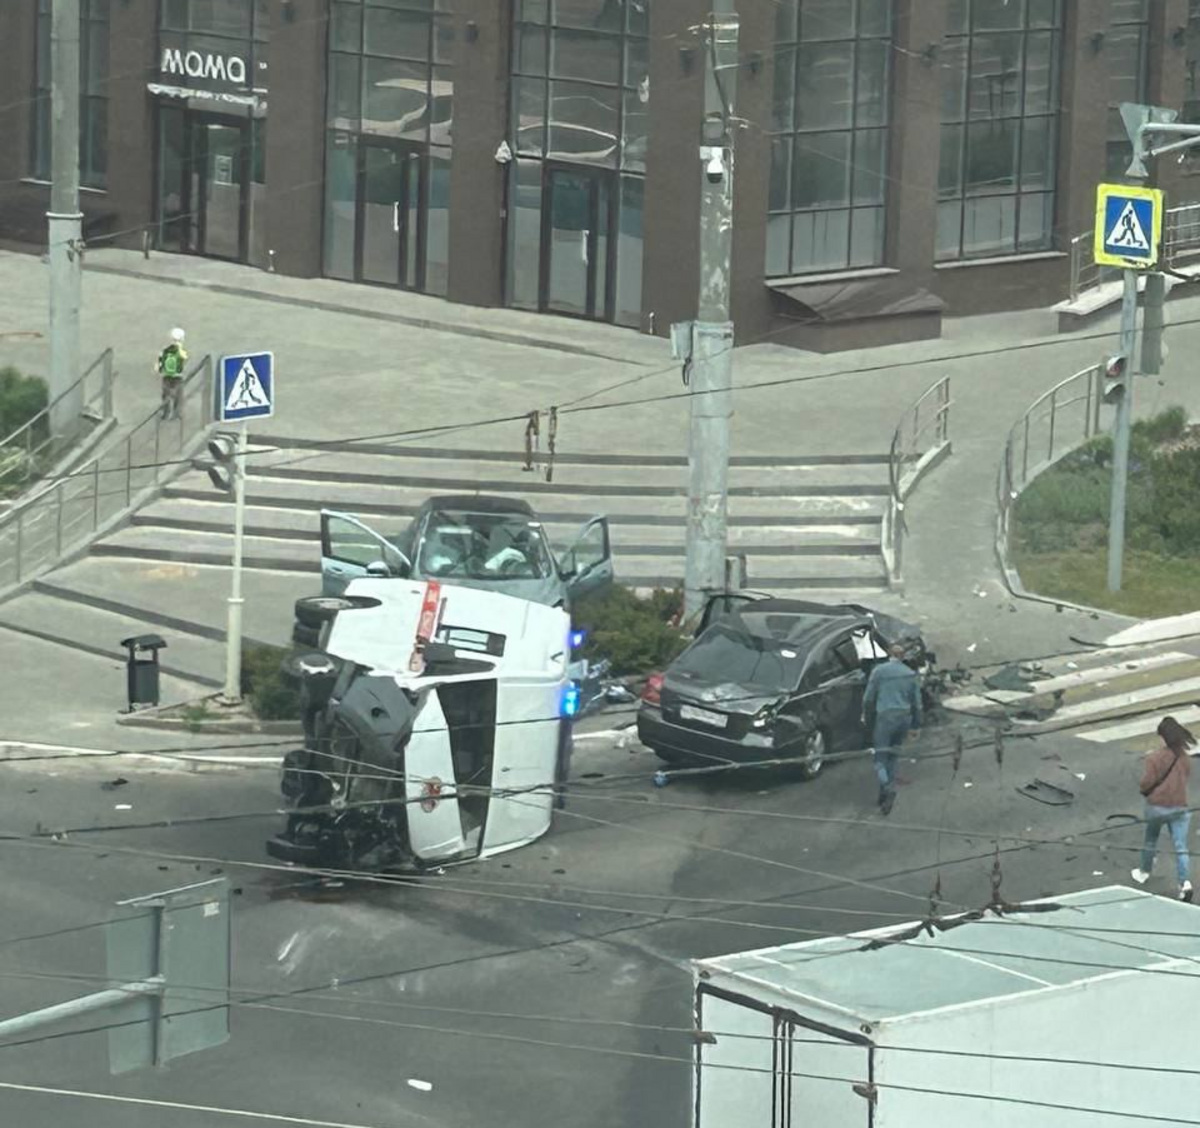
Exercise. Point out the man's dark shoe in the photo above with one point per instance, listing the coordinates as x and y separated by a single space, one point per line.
889 801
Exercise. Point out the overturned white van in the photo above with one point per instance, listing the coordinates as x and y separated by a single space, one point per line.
437 727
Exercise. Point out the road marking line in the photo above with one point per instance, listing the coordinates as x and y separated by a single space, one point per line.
1116 701
1144 726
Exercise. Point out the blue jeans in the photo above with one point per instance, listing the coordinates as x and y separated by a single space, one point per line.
1177 820
890 732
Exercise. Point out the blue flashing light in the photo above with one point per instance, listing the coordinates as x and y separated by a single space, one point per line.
570 700
578 638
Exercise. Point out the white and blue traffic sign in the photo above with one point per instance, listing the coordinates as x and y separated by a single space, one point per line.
246 389
1129 224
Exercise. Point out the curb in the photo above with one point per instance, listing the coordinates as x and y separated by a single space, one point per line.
429 323
246 727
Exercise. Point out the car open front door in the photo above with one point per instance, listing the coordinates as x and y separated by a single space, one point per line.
351 550
587 565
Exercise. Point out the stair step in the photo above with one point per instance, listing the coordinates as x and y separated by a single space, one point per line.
627 537
353 497
92 629
189 598
465 473
393 452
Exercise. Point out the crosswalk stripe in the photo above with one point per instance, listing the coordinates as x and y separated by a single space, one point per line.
1116 701
989 699
1144 726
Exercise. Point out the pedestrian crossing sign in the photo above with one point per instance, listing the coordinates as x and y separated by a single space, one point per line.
1128 225
246 389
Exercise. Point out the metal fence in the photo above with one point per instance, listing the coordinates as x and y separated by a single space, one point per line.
1181 237
30 450
61 518
921 437
1056 423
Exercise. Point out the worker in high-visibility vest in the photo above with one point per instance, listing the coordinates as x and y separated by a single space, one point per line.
171 363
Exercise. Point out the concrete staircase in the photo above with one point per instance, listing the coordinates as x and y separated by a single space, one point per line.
806 525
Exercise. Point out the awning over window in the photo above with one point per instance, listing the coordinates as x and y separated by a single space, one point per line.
855 299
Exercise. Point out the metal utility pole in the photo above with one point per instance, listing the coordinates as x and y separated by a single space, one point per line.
233 633
65 219
1121 431
711 350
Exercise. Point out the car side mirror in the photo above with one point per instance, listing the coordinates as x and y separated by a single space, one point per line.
378 570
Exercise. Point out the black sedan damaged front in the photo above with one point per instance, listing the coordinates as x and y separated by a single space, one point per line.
730 698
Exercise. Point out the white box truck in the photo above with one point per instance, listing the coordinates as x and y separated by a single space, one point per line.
1069 1013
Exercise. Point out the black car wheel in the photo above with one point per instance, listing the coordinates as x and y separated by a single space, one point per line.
812 757
317 610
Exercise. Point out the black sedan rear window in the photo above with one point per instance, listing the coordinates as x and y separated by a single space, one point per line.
724 655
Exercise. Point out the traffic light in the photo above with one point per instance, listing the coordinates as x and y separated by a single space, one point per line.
222 472
1116 372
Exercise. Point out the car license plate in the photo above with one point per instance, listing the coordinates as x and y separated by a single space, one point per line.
704 716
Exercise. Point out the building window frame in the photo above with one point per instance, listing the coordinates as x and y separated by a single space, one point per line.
963 136
93 95
865 194
1117 149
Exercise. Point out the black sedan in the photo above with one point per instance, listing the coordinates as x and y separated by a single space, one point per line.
769 679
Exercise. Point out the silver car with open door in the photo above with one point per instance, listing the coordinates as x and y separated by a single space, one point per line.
494 543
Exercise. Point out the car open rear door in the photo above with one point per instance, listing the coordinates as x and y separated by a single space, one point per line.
587 565
349 548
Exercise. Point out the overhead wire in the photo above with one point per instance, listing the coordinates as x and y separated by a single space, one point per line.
219 998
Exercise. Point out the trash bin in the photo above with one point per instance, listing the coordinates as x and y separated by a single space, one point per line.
141 669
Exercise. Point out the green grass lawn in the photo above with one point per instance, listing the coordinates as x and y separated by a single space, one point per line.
1152 586
1059 528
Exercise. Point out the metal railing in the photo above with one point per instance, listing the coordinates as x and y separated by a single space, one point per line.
31 449
1181 237
921 437
1056 423
38 533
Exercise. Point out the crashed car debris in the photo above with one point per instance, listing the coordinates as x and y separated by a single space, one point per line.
768 679
437 727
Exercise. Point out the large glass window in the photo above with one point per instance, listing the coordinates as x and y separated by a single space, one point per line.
1000 98
1191 96
93 96
390 118
580 98
830 117
1125 63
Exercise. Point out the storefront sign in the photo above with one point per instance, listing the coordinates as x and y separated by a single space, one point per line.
197 64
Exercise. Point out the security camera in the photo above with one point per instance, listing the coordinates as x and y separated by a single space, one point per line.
714 167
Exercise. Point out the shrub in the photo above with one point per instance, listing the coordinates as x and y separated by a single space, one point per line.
21 398
634 634
264 686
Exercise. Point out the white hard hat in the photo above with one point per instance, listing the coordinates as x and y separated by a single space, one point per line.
177 334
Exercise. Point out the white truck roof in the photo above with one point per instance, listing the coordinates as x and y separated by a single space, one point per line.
1100 934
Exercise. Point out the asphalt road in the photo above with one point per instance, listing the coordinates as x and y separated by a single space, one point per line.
545 987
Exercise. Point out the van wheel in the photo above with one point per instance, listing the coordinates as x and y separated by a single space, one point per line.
812 757
317 610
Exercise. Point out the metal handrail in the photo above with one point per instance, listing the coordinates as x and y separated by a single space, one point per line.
38 532
1181 236
23 438
1017 470
911 445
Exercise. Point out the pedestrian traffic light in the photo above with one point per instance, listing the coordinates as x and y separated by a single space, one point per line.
222 471
1116 370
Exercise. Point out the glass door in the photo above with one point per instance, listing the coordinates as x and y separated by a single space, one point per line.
219 165
576 244
391 216
203 187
